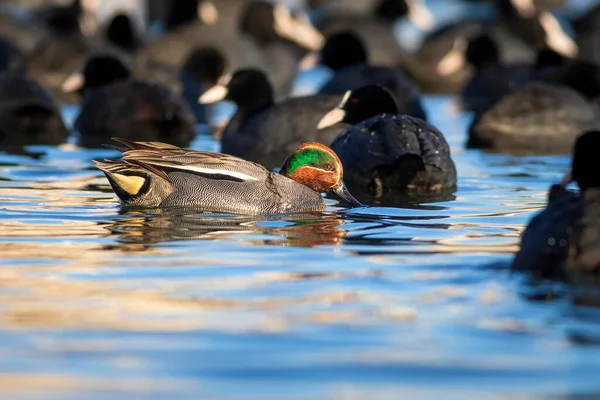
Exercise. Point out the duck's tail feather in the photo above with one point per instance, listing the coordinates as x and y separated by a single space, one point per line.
134 184
130 145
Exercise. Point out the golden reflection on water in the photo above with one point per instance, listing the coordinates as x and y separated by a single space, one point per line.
304 230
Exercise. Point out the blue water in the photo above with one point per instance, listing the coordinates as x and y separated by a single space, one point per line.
383 302
411 302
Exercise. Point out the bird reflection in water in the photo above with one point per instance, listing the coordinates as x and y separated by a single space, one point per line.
140 230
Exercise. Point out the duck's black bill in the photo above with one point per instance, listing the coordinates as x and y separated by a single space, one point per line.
342 192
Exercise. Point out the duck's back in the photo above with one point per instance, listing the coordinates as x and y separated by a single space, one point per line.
538 117
136 110
354 77
271 194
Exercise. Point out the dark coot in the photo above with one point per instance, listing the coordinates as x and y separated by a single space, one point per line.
383 151
264 131
346 56
491 80
201 71
563 241
264 36
63 49
121 32
28 113
114 104
537 118
373 22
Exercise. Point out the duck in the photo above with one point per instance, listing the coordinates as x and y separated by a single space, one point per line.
383 151
346 56
154 174
114 103
562 240
28 113
263 130
537 118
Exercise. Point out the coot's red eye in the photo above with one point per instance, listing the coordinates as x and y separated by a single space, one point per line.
353 101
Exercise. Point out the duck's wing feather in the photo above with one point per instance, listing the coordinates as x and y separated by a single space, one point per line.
162 159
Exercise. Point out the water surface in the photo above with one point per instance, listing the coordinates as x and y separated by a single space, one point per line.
414 301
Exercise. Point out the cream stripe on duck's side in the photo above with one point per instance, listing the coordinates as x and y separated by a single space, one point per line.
154 174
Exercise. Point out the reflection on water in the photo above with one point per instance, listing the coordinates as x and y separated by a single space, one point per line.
411 296
302 230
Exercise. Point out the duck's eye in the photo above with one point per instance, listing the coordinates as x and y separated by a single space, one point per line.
328 167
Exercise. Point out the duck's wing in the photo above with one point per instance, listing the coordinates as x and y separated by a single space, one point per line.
163 159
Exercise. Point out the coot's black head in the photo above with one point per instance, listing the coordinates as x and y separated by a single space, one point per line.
265 22
103 70
483 52
343 50
391 10
361 104
121 32
99 71
585 160
248 88
205 65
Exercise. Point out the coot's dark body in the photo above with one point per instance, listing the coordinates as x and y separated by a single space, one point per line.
395 152
544 244
28 113
135 110
537 118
